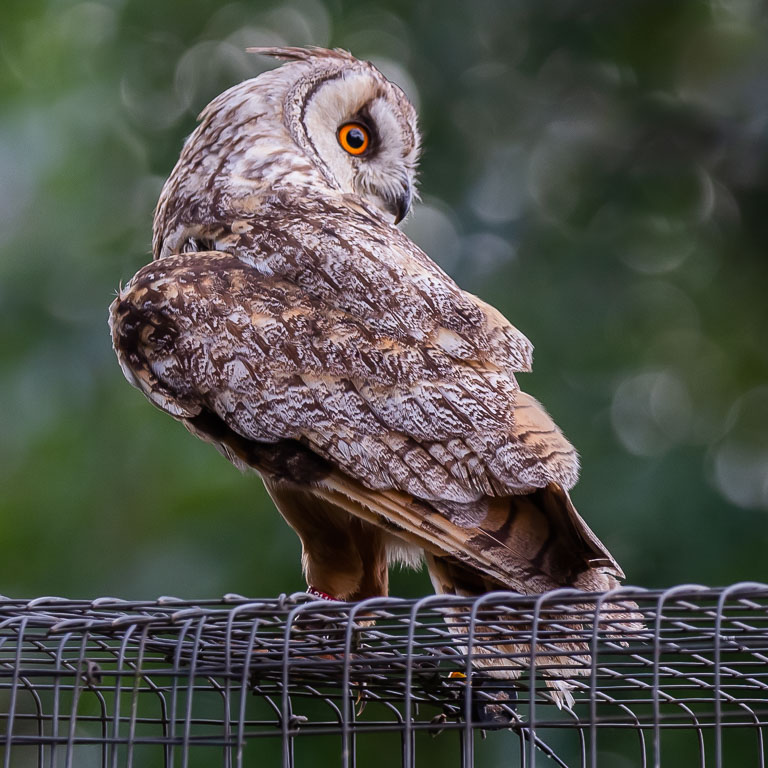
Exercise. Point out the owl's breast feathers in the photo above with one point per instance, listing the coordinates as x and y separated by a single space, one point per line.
363 373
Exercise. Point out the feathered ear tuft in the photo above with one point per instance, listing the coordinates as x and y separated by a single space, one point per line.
294 53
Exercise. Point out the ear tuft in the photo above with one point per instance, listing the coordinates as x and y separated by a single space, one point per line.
294 53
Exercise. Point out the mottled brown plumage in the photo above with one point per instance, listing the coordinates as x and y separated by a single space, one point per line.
287 321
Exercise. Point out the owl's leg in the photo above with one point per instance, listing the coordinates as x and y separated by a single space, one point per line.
343 556
369 541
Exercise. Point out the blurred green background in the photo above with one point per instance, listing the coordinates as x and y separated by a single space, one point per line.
598 170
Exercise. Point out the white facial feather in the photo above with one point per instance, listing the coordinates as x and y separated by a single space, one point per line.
393 167
389 168
333 104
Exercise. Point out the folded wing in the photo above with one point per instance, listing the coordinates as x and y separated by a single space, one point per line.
435 444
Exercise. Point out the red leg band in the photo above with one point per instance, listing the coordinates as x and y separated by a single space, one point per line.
322 595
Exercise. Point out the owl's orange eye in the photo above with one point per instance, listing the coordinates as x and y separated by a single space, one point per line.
354 138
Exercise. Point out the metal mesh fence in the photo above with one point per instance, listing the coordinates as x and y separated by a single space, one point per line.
296 681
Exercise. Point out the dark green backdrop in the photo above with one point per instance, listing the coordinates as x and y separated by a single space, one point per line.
598 170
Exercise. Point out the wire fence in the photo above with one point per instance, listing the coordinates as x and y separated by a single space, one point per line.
295 681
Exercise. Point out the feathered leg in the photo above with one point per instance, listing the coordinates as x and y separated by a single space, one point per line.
505 660
343 556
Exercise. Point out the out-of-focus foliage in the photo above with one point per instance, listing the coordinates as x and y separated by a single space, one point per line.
598 170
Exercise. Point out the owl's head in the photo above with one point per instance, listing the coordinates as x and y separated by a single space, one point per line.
323 125
359 129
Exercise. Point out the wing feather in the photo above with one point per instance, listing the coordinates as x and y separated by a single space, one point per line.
206 331
440 449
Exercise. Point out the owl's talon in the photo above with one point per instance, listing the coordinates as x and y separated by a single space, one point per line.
492 704
361 701
438 720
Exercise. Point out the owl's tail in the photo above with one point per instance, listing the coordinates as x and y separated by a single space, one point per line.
554 548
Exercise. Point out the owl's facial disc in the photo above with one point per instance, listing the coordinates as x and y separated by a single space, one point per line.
362 130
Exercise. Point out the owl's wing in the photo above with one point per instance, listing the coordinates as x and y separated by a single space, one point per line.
349 259
414 438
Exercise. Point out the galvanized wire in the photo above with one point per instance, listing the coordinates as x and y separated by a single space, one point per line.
182 683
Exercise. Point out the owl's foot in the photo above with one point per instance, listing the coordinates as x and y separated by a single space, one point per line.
494 702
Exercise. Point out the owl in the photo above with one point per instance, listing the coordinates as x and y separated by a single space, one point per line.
286 320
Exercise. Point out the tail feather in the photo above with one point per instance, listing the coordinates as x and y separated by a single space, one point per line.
545 545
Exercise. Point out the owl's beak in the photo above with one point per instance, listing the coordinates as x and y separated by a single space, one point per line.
399 205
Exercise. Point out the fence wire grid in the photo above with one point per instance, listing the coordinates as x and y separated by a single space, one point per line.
296 681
